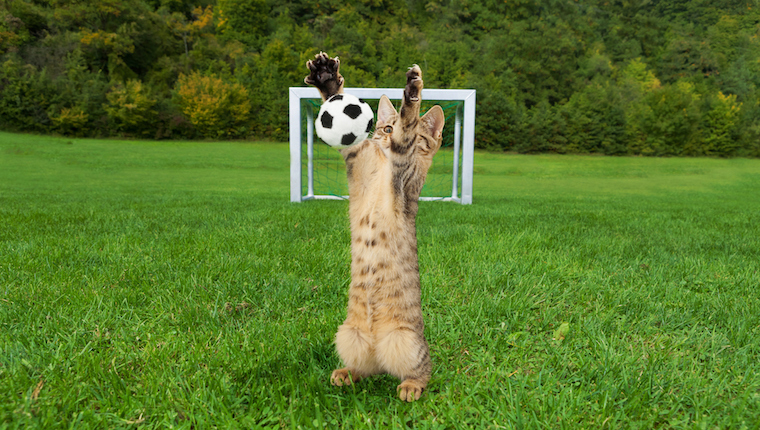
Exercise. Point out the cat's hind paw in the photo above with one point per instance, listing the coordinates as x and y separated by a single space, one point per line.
410 390
341 377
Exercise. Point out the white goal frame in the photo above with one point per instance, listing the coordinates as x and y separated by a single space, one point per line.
464 142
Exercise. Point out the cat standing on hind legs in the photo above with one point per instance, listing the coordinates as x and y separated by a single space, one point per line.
383 331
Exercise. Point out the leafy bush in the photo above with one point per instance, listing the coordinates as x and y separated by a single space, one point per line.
499 122
214 107
749 129
131 108
543 130
595 119
81 96
71 121
720 124
667 122
25 96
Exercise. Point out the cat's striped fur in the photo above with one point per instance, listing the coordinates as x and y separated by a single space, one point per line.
383 331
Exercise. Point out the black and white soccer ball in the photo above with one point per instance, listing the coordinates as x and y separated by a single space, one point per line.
344 120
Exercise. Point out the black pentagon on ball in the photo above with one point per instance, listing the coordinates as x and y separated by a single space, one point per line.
369 125
327 120
335 98
348 139
352 111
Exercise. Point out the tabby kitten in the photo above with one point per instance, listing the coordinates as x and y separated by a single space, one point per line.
383 331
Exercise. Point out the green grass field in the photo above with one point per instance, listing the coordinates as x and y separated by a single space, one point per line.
173 285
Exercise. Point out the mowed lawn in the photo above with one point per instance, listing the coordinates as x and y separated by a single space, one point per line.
173 285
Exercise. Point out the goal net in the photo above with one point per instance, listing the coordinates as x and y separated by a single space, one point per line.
317 171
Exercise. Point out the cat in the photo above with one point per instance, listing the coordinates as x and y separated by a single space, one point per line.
383 330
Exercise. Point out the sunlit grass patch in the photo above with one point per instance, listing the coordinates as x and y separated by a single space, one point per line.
173 284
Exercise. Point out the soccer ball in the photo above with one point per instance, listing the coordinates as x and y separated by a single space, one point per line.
344 120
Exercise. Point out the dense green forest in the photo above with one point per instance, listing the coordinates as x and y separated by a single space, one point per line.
648 77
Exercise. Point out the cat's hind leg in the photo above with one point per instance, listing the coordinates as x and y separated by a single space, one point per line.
355 348
404 353
324 74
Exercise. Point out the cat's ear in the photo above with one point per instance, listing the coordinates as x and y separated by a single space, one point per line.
385 111
433 121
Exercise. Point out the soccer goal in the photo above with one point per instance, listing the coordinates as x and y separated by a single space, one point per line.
317 171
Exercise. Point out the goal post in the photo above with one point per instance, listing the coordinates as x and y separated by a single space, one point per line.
309 158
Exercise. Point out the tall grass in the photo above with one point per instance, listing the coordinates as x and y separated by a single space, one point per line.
170 284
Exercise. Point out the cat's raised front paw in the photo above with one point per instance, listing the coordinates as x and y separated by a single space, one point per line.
324 74
413 83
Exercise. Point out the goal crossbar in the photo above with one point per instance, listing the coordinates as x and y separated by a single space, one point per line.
464 138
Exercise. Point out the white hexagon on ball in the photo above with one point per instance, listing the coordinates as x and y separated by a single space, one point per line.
344 120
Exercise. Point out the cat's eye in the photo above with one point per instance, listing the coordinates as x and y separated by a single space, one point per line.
388 129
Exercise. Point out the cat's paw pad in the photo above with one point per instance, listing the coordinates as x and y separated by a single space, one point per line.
322 69
414 73
410 390
413 83
341 377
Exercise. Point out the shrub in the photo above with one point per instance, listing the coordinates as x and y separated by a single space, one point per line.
749 126
544 130
595 121
25 96
720 126
667 122
71 121
82 91
131 108
499 122
214 107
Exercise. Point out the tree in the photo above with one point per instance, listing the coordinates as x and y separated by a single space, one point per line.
25 97
630 76
720 122
189 30
596 120
243 20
